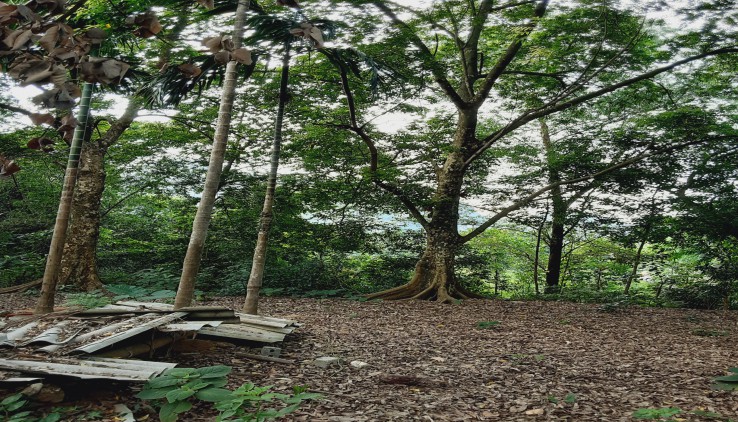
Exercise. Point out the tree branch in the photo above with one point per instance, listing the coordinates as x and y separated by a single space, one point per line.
435 67
373 152
524 201
15 109
510 53
531 115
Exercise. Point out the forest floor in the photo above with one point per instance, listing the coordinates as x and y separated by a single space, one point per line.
534 361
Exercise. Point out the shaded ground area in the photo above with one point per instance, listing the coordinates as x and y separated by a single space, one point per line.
535 361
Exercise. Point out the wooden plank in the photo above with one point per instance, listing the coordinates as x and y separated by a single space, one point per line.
242 332
115 338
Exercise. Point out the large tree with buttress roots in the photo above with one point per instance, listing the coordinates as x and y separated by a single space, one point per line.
502 68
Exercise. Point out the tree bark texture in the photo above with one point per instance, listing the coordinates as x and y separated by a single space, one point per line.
636 261
558 214
256 277
79 259
191 265
434 272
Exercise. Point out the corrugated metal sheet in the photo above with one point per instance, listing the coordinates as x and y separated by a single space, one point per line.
138 329
113 369
94 331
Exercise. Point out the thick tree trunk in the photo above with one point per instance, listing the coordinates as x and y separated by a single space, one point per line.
251 303
191 264
79 259
434 273
434 277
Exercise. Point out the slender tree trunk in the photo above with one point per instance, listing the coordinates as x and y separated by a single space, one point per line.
559 205
636 263
191 265
536 261
45 302
497 282
555 255
251 303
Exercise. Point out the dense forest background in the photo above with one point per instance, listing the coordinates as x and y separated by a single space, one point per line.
641 204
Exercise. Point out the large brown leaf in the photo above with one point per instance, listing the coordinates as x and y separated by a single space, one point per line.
41 143
53 6
18 39
96 36
8 167
242 55
103 70
147 24
222 57
310 32
189 70
39 119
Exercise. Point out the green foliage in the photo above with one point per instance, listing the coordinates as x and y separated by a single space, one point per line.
11 407
175 390
709 332
669 413
124 291
662 413
245 403
488 324
87 300
728 382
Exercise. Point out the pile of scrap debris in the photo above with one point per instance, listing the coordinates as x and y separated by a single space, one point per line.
92 344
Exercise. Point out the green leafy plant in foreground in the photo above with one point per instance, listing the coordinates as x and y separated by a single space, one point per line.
655 414
486 325
175 389
668 413
728 382
10 406
245 403
87 300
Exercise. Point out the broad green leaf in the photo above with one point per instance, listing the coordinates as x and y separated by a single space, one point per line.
214 371
160 382
157 393
179 395
169 412
11 399
214 394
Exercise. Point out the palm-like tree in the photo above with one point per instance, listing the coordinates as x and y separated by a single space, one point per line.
284 32
191 265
